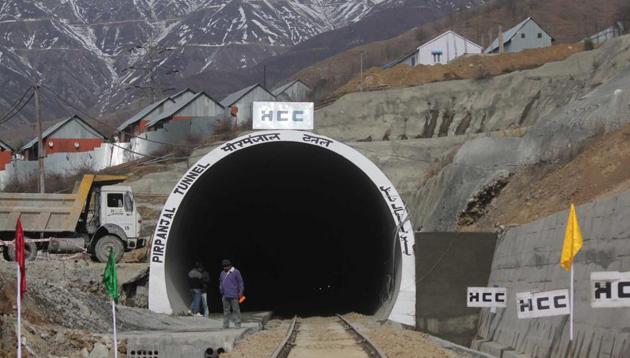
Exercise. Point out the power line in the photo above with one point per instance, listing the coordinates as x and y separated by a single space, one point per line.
13 107
11 115
59 98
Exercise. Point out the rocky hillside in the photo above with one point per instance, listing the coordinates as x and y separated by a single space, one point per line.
97 53
509 122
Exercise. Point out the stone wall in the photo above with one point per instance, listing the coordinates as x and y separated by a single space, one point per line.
527 258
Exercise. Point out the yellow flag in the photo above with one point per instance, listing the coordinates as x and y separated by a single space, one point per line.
572 240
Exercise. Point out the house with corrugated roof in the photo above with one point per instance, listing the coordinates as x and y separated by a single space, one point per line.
6 153
70 135
240 103
137 124
295 91
527 34
199 106
442 49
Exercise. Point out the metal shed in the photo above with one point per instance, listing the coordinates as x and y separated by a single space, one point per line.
527 34
71 135
242 101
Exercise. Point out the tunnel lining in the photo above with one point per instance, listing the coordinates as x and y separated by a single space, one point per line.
402 305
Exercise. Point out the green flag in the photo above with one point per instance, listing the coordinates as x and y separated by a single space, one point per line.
110 279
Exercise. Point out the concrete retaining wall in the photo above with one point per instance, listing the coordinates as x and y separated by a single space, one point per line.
446 264
527 258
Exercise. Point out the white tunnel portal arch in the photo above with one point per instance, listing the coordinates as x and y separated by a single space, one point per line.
401 307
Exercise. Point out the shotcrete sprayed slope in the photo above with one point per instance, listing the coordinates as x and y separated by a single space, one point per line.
517 99
555 108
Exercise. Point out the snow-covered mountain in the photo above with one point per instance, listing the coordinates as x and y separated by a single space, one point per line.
95 53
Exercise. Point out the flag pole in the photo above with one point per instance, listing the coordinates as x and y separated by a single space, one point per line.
115 345
19 312
571 315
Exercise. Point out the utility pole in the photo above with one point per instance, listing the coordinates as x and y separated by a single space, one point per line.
265 76
40 141
154 55
501 47
361 71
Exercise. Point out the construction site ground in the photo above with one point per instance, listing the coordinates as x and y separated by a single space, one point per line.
67 314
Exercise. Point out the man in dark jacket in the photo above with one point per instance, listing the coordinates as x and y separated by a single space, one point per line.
231 287
205 279
195 278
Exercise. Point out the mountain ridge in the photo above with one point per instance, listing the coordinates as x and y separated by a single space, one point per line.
95 54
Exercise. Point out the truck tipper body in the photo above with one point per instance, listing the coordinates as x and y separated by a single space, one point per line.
97 217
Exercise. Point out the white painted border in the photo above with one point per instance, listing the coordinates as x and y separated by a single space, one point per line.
404 305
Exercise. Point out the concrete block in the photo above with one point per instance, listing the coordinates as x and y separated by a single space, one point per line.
514 354
476 344
493 348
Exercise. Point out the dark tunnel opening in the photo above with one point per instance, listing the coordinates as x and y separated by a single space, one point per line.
308 229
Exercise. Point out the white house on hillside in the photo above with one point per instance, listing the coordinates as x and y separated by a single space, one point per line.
442 49
527 34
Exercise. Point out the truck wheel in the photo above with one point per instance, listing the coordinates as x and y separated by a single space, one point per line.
104 244
30 251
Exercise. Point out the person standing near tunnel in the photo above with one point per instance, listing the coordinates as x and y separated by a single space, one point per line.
195 277
231 287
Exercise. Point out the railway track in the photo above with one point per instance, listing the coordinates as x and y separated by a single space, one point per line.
332 337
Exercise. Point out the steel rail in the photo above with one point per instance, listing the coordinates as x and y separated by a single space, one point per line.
287 344
371 349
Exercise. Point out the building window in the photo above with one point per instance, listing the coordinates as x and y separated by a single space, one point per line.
540 35
437 54
522 36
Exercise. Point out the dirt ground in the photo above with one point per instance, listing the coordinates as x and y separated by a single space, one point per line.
466 67
65 311
262 343
394 340
600 170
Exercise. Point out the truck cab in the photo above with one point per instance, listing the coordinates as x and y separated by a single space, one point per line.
118 208
115 222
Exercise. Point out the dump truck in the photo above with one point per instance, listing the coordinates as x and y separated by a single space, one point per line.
97 217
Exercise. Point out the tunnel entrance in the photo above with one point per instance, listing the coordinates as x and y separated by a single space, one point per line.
309 228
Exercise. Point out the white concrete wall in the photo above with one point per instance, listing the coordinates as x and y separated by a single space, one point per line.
67 164
451 45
